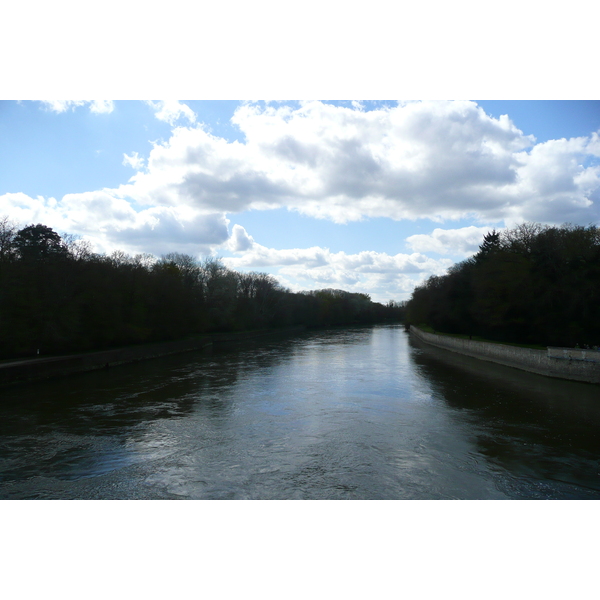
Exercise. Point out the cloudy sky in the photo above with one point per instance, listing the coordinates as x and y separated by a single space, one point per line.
363 196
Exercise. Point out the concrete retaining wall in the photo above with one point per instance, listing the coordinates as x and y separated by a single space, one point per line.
544 362
574 354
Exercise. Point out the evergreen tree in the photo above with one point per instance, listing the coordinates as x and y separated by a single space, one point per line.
490 245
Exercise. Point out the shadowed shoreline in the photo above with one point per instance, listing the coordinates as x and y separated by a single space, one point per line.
21 371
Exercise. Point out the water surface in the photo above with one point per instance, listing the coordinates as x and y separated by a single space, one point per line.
356 413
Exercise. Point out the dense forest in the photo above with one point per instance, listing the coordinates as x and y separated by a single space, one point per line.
532 284
58 296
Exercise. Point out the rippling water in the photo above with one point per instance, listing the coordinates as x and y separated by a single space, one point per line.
355 413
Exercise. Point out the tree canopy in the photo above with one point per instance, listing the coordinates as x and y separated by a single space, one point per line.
38 242
59 296
531 284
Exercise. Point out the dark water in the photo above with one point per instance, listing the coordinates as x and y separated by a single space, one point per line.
342 414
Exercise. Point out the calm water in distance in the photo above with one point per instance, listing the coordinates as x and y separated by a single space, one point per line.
354 413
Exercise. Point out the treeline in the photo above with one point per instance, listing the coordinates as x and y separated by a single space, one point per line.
58 296
532 284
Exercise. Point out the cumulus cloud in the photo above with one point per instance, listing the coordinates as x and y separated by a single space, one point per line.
436 160
25 210
167 230
134 161
465 240
554 184
381 275
240 240
111 223
171 111
102 106
95 106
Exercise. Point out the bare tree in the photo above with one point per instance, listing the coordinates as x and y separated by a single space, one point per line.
8 232
78 249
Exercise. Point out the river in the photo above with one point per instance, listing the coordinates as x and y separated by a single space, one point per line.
352 413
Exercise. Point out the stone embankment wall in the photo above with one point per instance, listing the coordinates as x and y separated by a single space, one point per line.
574 354
564 363
59 366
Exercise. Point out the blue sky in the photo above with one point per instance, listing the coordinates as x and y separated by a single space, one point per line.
364 196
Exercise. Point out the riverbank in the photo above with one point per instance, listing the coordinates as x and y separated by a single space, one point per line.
562 363
35 369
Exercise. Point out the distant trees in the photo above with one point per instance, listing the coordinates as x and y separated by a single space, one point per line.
530 284
57 295
259 299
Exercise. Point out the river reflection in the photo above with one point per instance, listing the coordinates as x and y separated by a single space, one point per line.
342 414
543 432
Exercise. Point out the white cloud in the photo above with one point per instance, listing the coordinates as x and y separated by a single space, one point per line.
111 223
381 275
436 160
95 106
171 111
134 161
59 106
240 240
26 210
554 184
465 240
102 106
